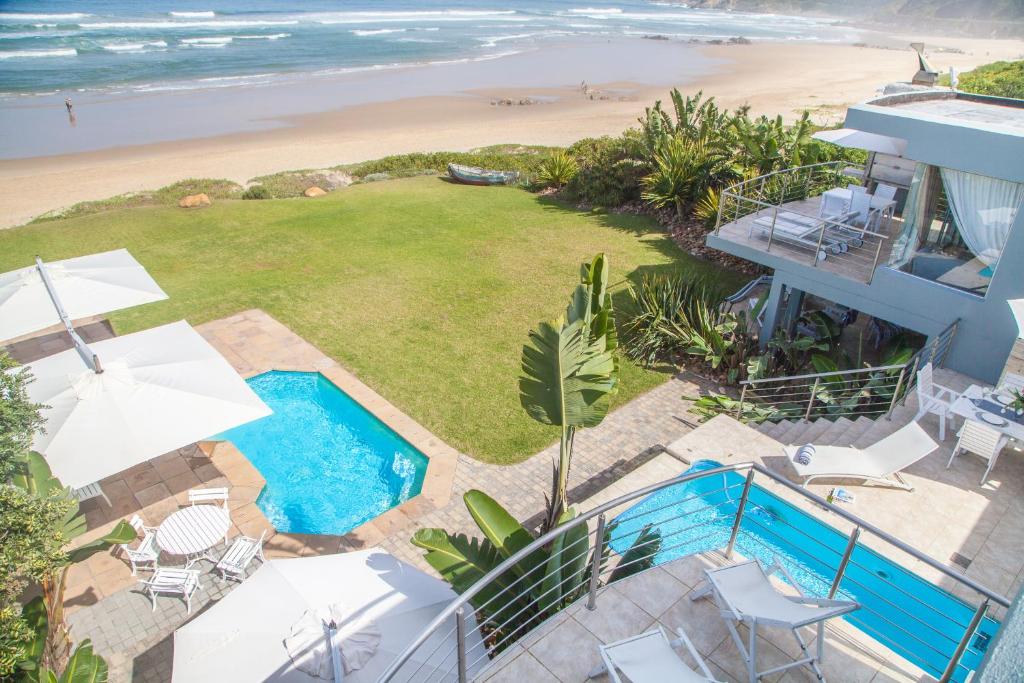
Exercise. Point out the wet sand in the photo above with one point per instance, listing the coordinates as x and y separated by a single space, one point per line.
771 77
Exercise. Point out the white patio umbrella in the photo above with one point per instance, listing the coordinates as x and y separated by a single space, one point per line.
156 391
242 637
858 139
86 285
1017 307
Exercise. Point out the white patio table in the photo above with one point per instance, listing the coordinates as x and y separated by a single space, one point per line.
977 403
192 531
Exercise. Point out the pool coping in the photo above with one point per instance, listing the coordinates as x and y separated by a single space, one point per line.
254 343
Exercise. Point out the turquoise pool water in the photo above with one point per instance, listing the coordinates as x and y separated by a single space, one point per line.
900 609
329 464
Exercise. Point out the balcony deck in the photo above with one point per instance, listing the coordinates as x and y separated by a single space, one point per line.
856 264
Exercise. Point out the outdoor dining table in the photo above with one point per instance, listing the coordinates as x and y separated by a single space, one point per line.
883 207
192 531
983 405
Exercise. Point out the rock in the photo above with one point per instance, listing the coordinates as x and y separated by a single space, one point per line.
193 201
314 192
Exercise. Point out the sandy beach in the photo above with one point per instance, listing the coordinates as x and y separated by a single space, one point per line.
783 78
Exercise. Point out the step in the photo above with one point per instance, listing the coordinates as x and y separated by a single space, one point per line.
765 427
811 432
786 436
779 428
859 426
835 430
878 430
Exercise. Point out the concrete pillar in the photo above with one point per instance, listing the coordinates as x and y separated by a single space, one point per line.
772 312
793 307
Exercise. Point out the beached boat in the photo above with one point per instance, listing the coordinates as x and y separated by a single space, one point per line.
471 175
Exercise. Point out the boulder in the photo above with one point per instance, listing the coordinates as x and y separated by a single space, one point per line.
194 200
314 192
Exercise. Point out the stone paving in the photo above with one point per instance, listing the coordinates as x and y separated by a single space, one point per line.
138 642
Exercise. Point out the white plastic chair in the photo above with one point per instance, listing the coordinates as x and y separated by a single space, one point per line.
146 552
650 658
744 593
90 491
1012 382
180 582
885 192
856 188
832 206
216 495
982 440
935 399
860 205
242 551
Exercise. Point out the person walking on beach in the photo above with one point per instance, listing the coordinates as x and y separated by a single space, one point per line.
67 103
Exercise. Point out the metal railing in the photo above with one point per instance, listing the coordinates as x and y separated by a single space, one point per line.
574 561
868 392
777 198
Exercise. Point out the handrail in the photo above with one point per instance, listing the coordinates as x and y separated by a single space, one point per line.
793 169
824 220
457 606
816 375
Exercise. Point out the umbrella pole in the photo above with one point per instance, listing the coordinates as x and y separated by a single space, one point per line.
88 357
332 646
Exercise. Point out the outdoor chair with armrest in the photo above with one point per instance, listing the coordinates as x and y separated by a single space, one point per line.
934 399
981 440
146 552
651 658
881 462
744 593
181 582
214 495
243 551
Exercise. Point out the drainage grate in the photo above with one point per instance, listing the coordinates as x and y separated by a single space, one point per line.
960 561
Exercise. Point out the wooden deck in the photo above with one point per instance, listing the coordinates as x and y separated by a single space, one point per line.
856 264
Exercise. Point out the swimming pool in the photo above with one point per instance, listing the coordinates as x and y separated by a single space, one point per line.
900 609
330 465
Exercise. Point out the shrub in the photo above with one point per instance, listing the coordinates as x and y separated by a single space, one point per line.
256 192
214 188
525 160
706 208
610 170
1002 79
557 170
683 171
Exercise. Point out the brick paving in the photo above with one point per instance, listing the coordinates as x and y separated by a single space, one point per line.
137 641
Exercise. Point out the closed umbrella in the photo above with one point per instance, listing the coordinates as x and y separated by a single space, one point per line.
378 603
151 392
858 139
86 285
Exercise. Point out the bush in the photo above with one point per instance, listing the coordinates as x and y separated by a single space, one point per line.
525 160
214 188
256 192
610 170
1002 79
289 184
557 170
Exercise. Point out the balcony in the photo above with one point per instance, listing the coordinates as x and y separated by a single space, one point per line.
780 214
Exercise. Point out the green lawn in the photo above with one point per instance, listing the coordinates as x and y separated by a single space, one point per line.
424 289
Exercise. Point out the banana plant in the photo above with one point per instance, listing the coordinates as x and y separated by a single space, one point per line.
36 478
570 372
84 665
545 581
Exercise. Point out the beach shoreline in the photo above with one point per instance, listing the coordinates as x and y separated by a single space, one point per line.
773 78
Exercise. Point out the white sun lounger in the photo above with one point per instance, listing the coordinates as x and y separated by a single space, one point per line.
804 231
744 593
879 462
650 658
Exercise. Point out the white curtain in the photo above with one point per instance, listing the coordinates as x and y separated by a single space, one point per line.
984 209
915 212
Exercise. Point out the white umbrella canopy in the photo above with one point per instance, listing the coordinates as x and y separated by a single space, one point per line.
160 389
86 285
1017 307
241 638
858 139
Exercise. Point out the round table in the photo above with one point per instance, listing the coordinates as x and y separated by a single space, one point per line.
192 531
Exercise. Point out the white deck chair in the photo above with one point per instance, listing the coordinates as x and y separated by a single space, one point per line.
1012 382
181 582
90 491
650 658
881 462
885 192
145 554
860 205
216 495
832 206
744 594
981 440
935 399
242 551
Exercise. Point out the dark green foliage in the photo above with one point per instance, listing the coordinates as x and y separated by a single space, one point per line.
1002 79
19 417
557 170
610 170
256 192
526 162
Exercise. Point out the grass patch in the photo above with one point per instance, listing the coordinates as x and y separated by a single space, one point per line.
424 289
523 158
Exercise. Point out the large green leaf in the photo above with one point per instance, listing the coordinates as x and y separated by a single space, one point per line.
566 380
34 614
85 666
36 477
505 533
566 565
122 533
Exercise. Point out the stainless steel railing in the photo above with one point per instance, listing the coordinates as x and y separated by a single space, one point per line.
518 595
857 251
868 392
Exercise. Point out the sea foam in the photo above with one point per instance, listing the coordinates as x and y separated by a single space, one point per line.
19 54
193 15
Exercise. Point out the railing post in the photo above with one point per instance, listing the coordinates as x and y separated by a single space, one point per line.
721 203
810 401
979 614
874 264
896 393
949 341
841 570
595 569
913 377
739 513
743 396
460 642
771 232
817 249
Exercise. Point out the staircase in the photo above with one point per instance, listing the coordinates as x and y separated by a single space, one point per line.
860 432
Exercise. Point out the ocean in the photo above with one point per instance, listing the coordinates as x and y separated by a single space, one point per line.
114 47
